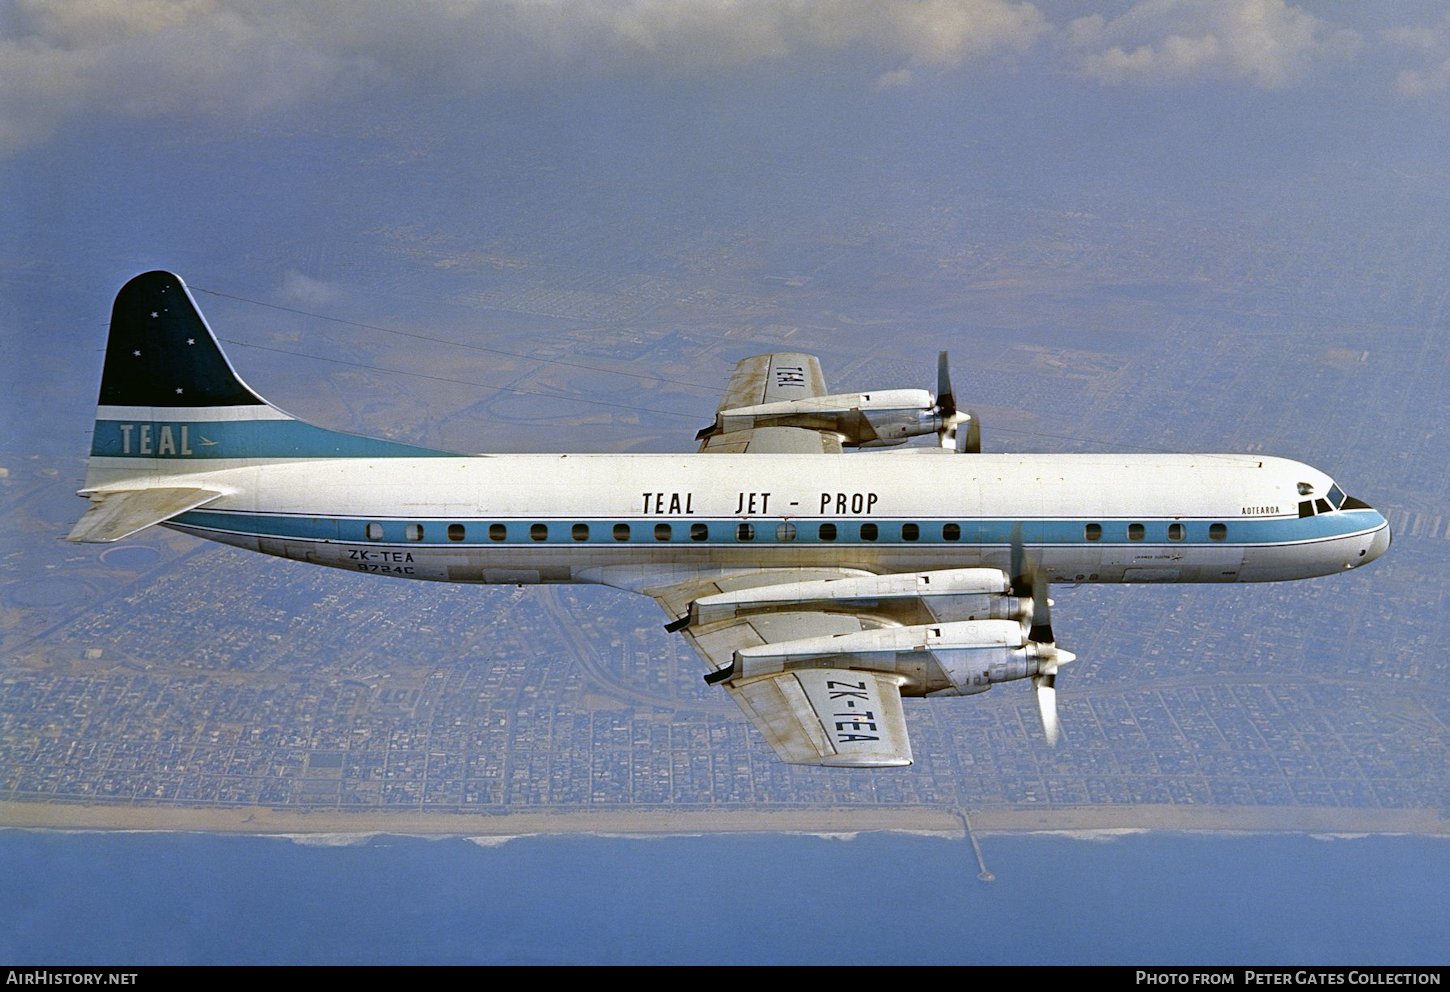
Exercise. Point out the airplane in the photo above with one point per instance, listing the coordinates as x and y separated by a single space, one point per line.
819 589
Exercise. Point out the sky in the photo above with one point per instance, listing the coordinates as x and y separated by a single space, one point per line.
67 63
265 148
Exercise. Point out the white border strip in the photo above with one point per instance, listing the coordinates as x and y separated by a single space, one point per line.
194 414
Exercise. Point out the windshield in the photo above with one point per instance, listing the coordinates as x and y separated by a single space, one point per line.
1336 496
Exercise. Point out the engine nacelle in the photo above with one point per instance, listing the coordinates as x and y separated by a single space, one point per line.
952 659
949 594
861 420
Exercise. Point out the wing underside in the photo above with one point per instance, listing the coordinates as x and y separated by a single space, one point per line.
826 716
817 716
820 658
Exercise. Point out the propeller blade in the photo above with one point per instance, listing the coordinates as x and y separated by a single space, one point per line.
969 441
1029 580
1041 630
1046 686
946 402
949 433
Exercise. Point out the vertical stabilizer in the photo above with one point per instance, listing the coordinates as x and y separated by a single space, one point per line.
170 399
161 353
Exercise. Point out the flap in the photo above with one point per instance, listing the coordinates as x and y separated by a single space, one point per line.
118 514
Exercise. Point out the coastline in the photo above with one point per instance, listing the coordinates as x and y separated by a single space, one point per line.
1102 821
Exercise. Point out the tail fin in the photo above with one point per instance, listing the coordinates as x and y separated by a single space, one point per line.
169 398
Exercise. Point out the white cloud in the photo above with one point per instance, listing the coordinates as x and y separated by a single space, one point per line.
306 291
894 80
1268 43
63 58
1425 37
1423 82
1434 41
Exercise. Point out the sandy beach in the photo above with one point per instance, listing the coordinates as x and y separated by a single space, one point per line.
947 822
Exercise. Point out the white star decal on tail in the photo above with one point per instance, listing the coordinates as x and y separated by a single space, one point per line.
178 390
154 313
191 340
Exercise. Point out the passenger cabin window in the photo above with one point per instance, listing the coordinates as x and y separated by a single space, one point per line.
951 532
910 532
621 532
1093 532
1175 532
456 532
699 532
785 533
745 532
580 532
868 532
539 532
413 532
1217 532
374 532
497 532
663 532
827 532
1136 532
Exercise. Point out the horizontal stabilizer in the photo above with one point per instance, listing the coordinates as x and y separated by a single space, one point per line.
114 515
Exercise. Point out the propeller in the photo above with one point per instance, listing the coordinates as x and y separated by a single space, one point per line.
1046 686
1049 658
1029 581
950 434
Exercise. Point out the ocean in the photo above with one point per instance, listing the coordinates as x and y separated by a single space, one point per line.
877 898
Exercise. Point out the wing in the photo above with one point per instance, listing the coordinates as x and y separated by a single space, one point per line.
761 379
816 716
793 709
827 716
819 659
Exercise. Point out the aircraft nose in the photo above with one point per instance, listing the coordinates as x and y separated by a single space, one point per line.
1380 541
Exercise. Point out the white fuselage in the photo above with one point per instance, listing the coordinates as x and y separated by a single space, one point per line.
639 520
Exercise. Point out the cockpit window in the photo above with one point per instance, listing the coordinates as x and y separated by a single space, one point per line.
1306 508
1321 505
1336 496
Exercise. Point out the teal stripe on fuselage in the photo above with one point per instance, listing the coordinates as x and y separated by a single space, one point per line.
242 439
353 530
